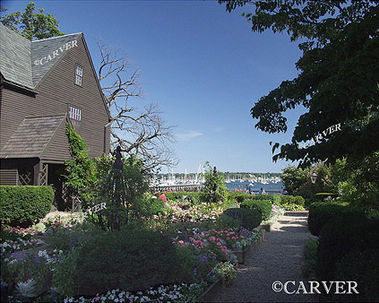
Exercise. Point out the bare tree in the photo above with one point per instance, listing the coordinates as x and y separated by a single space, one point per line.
138 132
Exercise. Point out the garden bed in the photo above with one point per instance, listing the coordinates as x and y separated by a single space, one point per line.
195 238
241 254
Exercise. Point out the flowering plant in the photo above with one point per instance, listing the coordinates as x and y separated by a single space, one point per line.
225 271
172 293
197 213
9 247
55 223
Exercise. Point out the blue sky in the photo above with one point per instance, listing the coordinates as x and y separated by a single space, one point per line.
203 66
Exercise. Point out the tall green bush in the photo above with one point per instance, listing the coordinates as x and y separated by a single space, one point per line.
321 213
363 268
24 205
342 235
263 206
214 188
132 182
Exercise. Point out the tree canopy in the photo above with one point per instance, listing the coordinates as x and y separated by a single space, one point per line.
338 77
32 23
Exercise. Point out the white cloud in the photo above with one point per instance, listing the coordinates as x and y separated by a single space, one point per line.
187 136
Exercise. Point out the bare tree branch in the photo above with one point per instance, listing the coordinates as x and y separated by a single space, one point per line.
142 133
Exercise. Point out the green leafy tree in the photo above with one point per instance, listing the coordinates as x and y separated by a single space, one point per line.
361 182
298 180
293 178
214 188
33 23
337 81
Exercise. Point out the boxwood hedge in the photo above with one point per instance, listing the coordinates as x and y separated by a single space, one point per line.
341 236
130 260
248 218
24 205
263 206
321 213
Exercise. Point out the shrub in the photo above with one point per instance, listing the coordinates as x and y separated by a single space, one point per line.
226 222
148 206
24 205
238 197
214 189
298 200
193 197
310 256
320 213
363 268
342 235
263 206
272 198
248 218
132 260
293 207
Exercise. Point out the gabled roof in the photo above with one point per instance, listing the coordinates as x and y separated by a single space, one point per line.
18 56
31 137
15 58
46 47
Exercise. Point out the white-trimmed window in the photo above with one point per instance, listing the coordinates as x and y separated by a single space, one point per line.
79 75
75 113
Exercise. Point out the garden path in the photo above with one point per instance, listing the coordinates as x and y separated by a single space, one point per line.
278 258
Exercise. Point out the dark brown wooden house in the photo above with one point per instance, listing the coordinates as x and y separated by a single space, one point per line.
45 84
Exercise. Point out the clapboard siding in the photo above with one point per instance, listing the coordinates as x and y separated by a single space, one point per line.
8 177
55 92
58 148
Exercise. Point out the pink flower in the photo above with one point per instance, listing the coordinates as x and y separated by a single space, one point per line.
212 239
227 238
219 244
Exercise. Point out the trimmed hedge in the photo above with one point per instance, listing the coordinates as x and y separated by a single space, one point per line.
238 197
363 268
342 235
263 197
24 205
321 213
130 260
194 197
248 218
263 206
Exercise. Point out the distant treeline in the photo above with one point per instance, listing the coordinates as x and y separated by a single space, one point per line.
227 175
